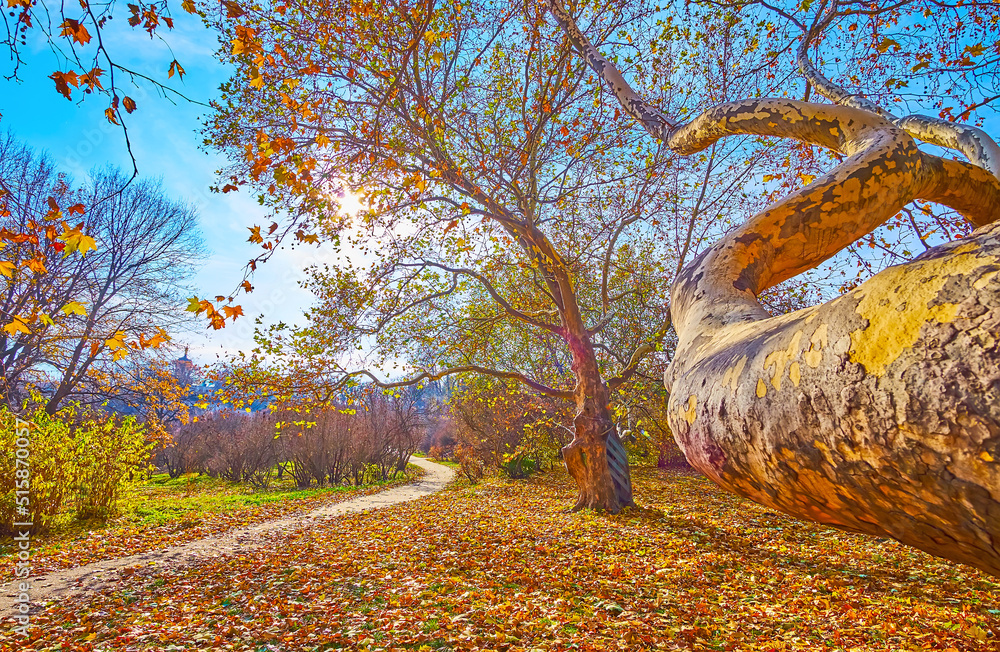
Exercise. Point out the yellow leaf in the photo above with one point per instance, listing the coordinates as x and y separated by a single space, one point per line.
45 319
86 244
76 240
75 308
17 326
116 342
986 457
889 43
6 268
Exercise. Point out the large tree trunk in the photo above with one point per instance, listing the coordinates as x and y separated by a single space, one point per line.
878 412
595 458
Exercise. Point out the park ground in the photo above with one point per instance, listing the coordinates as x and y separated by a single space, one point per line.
502 565
169 511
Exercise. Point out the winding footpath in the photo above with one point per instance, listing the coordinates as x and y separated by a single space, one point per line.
93 577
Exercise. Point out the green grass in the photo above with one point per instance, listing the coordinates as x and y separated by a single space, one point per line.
452 463
425 456
164 499
164 508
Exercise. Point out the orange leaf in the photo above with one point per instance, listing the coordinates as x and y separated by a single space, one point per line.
64 80
175 67
74 29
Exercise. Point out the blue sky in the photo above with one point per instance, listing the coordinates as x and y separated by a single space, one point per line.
165 142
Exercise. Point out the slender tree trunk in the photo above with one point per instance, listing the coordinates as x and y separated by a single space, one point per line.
595 458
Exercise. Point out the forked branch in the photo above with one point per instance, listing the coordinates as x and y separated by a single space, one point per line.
973 142
437 375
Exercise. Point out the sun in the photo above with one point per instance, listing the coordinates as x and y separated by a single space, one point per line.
351 203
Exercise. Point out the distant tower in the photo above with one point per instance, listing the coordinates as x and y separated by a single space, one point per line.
185 362
184 368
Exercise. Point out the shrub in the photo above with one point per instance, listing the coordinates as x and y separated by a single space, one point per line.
366 438
238 447
470 465
505 428
113 458
51 465
184 452
439 453
87 461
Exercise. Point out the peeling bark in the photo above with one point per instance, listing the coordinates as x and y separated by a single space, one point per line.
879 411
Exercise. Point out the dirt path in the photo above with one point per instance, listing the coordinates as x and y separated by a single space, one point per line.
92 577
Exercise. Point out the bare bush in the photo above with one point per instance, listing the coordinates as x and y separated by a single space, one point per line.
368 438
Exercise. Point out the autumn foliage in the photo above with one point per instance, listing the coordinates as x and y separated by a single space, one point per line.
86 464
90 276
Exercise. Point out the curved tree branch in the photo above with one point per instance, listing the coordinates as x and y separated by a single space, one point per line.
655 121
437 375
633 364
973 142
488 286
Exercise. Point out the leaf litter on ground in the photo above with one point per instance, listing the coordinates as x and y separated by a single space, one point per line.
504 566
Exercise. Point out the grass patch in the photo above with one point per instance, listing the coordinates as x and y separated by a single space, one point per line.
168 511
164 500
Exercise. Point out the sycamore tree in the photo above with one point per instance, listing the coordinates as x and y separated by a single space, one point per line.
516 224
877 411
